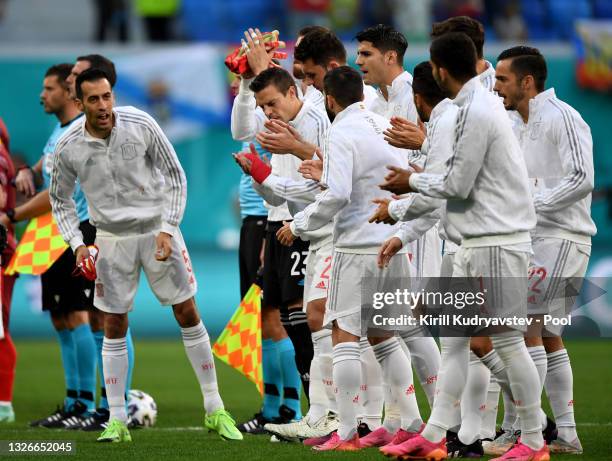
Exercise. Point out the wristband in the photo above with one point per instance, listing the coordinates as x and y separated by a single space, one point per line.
259 170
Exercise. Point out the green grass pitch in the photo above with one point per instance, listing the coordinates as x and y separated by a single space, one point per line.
163 371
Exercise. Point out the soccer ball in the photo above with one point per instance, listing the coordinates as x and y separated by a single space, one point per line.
142 409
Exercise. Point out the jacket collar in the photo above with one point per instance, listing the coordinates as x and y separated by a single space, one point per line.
352 109
397 85
536 103
466 91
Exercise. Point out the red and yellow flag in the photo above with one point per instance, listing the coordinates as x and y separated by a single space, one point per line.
240 342
41 245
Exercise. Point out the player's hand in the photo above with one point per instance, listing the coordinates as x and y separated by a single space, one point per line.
404 134
24 182
81 254
388 250
397 181
312 169
163 242
382 213
285 236
5 221
281 138
243 162
259 59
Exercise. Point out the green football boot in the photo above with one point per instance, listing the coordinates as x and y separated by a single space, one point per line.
116 431
223 424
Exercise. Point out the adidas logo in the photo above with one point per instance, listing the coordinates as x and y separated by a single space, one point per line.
321 285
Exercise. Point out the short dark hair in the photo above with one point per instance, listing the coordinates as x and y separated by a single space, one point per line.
89 75
527 61
456 53
385 38
345 84
320 46
307 29
97 61
276 76
469 26
424 84
61 71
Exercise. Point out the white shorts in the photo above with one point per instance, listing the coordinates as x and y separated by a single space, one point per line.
345 289
120 259
448 261
555 265
426 254
502 274
318 271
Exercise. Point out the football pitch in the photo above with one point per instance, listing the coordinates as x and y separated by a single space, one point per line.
162 370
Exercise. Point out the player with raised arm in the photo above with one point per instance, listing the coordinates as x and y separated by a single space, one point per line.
121 158
486 188
558 150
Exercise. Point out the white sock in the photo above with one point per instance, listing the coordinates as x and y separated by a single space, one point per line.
326 365
425 358
318 398
115 367
523 376
559 386
372 395
197 347
538 355
473 400
493 362
347 378
451 381
397 373
488 425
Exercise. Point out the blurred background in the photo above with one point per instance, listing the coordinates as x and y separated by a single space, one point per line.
169 56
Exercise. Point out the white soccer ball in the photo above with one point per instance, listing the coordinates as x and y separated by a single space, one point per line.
142 409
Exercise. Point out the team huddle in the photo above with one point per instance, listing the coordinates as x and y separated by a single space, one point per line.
457 170
460 169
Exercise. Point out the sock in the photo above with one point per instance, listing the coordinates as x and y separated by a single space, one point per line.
318 396
524 382
559 386
197 347
397 373
488 424
324 342
371 391
86 361
495 364
130 347
291 377
347 378
451 381
473 400
69 363
99 339
273 379
300 336
8 361
425 358
115 363
538 355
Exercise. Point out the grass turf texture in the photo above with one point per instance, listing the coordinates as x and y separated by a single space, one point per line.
162 370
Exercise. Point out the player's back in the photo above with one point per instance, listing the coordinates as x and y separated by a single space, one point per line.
361 132
499 201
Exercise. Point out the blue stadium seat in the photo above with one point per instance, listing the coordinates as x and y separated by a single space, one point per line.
602 9
226 20
563 13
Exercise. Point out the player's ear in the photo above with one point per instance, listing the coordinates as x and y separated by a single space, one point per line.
333 65
79 104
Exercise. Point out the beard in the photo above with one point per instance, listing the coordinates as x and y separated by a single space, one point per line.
330 114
